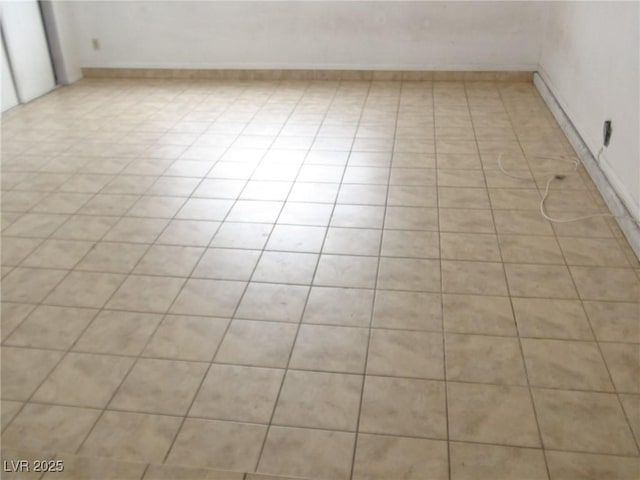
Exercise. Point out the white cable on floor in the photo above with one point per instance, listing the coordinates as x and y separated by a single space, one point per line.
556 176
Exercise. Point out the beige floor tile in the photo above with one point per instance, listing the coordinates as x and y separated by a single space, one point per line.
476 278
565 364
412 176
362 194
478 314
468 246
30 285
380 456
551 318
296 238
110 205
330 349
313 214
406 243
484 359
339 306
608 284
84 380
205 209
112 257
57 254
319 400
24 369
411 218
187 338
530 249
614 321
631 405
456 197
179 187
129 184
357 216
90 468
136 230
49 428
466 220
352 241
264 344
399 406
134 437
159 386
580 466
590 228
406 354
409 274
85 289
488 462
217 298
521 222
35 225
59 202
514 198
51 327
549 281
244 394
223 445
307 453
254 211
143 293
177 472
195 233
175 261
583 421
11 315
460 178
407 310
226 264
285 267
600 252
491 414
9 409
120 333
346 271
242 235
201 167
314 192
156 207
623 361
285 302
266 191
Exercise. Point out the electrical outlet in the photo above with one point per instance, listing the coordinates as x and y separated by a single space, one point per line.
95 43
607 130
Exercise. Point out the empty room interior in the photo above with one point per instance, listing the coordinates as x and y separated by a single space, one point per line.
368 240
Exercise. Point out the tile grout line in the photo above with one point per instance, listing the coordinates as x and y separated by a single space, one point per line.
138 356
311 285
442 319
199 388
513 312
375 289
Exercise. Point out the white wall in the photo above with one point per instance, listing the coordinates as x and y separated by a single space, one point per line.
8 90
590 60
27 49
317 34
62 36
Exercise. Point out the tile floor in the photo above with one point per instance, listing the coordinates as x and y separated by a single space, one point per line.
310 279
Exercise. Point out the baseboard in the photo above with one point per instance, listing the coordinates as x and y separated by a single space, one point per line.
362 75
625 220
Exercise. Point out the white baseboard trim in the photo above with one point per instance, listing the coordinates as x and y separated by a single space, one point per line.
624 218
